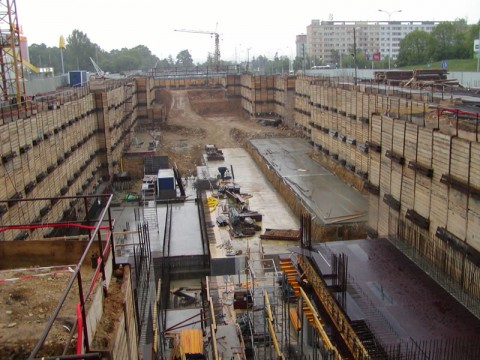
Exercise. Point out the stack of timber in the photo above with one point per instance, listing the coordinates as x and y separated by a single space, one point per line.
281 234
393 77
436 78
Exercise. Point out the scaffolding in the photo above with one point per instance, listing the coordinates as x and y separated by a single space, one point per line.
264 318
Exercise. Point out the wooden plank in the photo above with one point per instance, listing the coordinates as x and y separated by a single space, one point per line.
457 214
374 170
376 129
422 200
411 142
385 174
475 165
473 227
398 136
424 154
460 159
441 155
438 210
396 184
408 192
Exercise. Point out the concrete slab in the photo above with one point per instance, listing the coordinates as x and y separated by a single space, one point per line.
185 237
264 199
332 200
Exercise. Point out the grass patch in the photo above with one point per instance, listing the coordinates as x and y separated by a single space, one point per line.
452 65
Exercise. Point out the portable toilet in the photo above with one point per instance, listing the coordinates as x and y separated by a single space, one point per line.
166 184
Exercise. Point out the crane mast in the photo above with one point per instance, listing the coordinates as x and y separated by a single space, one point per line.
216 54
12 82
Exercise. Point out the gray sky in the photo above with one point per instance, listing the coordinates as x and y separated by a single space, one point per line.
266 27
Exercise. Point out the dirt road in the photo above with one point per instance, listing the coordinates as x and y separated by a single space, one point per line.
199 118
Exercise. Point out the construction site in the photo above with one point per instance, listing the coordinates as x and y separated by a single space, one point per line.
239 216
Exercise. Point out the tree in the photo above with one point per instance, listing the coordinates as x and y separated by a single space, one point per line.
415 48
43 56
473 34
78 51
184 59
448 39
146 60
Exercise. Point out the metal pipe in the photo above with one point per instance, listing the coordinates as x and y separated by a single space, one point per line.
70 284
97 355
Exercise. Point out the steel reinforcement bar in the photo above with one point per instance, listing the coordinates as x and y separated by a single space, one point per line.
333 310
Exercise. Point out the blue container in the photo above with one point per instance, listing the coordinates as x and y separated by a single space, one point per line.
77 78
165 180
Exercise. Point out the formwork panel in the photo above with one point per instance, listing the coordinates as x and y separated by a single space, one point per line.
438 208
457 213
385 162
376 126
398 137
473 226
441 155
374 168
475 165
422 200
441 165
408 193
460 159
396 181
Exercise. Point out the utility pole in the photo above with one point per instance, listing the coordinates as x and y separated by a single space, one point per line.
355 56
389 13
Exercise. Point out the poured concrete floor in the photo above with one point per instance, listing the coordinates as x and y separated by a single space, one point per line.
325 194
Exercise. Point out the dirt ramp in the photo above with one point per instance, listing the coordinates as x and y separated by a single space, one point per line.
213 102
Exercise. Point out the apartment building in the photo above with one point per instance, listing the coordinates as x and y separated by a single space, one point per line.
328 41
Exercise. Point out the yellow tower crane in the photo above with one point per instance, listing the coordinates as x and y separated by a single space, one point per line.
12 82
216 55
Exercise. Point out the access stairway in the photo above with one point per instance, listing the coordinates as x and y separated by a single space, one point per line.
286 265
291 273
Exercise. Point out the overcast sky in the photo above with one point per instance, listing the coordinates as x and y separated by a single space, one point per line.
266 27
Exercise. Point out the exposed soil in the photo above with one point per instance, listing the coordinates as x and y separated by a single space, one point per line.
197 118
27 300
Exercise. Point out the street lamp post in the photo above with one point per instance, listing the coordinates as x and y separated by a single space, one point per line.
355 57
390 13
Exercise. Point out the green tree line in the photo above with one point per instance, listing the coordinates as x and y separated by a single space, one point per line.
448 40
79 49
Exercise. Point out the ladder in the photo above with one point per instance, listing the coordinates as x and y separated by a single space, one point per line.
150 214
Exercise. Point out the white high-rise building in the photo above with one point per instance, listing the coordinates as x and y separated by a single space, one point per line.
326 38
